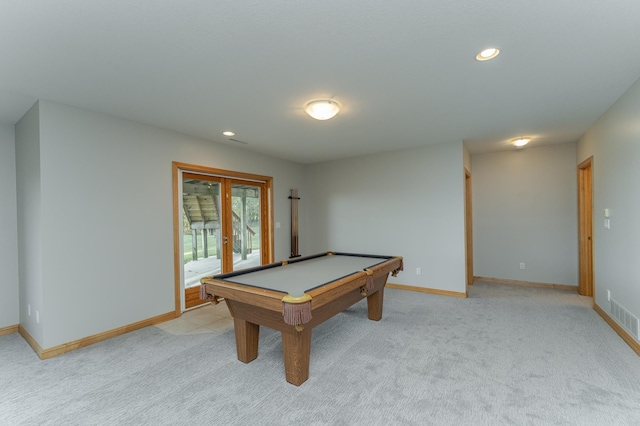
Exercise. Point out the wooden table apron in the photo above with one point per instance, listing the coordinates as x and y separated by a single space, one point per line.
251 307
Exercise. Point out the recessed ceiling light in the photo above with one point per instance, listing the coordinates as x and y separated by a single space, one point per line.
228 133
322 109
487 54
520 142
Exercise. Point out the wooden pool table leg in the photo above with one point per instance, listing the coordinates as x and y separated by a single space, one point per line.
296 346
374 305
247 334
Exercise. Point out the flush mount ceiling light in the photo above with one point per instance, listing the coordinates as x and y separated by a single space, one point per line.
228 133
520 142
487 54
322 109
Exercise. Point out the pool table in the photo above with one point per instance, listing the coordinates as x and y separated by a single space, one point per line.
295 295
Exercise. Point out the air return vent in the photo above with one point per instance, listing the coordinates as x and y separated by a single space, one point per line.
625 318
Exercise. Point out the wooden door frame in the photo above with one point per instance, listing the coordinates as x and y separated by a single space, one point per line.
586 281
266 225
468 225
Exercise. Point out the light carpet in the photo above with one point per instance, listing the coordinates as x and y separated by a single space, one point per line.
506 355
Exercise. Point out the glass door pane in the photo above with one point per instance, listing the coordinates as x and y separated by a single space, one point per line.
202 227
246 206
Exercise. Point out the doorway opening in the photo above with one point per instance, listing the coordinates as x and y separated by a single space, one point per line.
585 228
222 222
468 226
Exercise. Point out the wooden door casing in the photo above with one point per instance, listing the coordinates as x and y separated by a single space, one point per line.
585 228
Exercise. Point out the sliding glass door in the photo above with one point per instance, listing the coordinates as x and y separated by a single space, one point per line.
246 216
202 219
222 225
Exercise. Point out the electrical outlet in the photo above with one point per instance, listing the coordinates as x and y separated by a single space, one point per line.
418 271
29 309
521 265
37 317
608 295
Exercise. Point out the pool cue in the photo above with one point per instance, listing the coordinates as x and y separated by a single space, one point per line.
294 223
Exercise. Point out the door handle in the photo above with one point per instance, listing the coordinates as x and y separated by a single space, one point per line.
225 240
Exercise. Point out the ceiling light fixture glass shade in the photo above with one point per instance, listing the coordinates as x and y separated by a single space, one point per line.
487 54
323 109
520 142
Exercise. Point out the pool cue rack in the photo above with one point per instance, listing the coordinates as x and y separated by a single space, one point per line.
294 223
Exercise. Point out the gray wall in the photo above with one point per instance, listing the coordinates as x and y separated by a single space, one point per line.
408 203
614 143
9 313
86 177
106 223
29 187
525 210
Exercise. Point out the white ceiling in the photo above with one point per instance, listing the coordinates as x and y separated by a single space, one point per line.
403 71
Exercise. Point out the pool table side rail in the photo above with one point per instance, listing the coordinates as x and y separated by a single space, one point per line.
268 299
323 295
